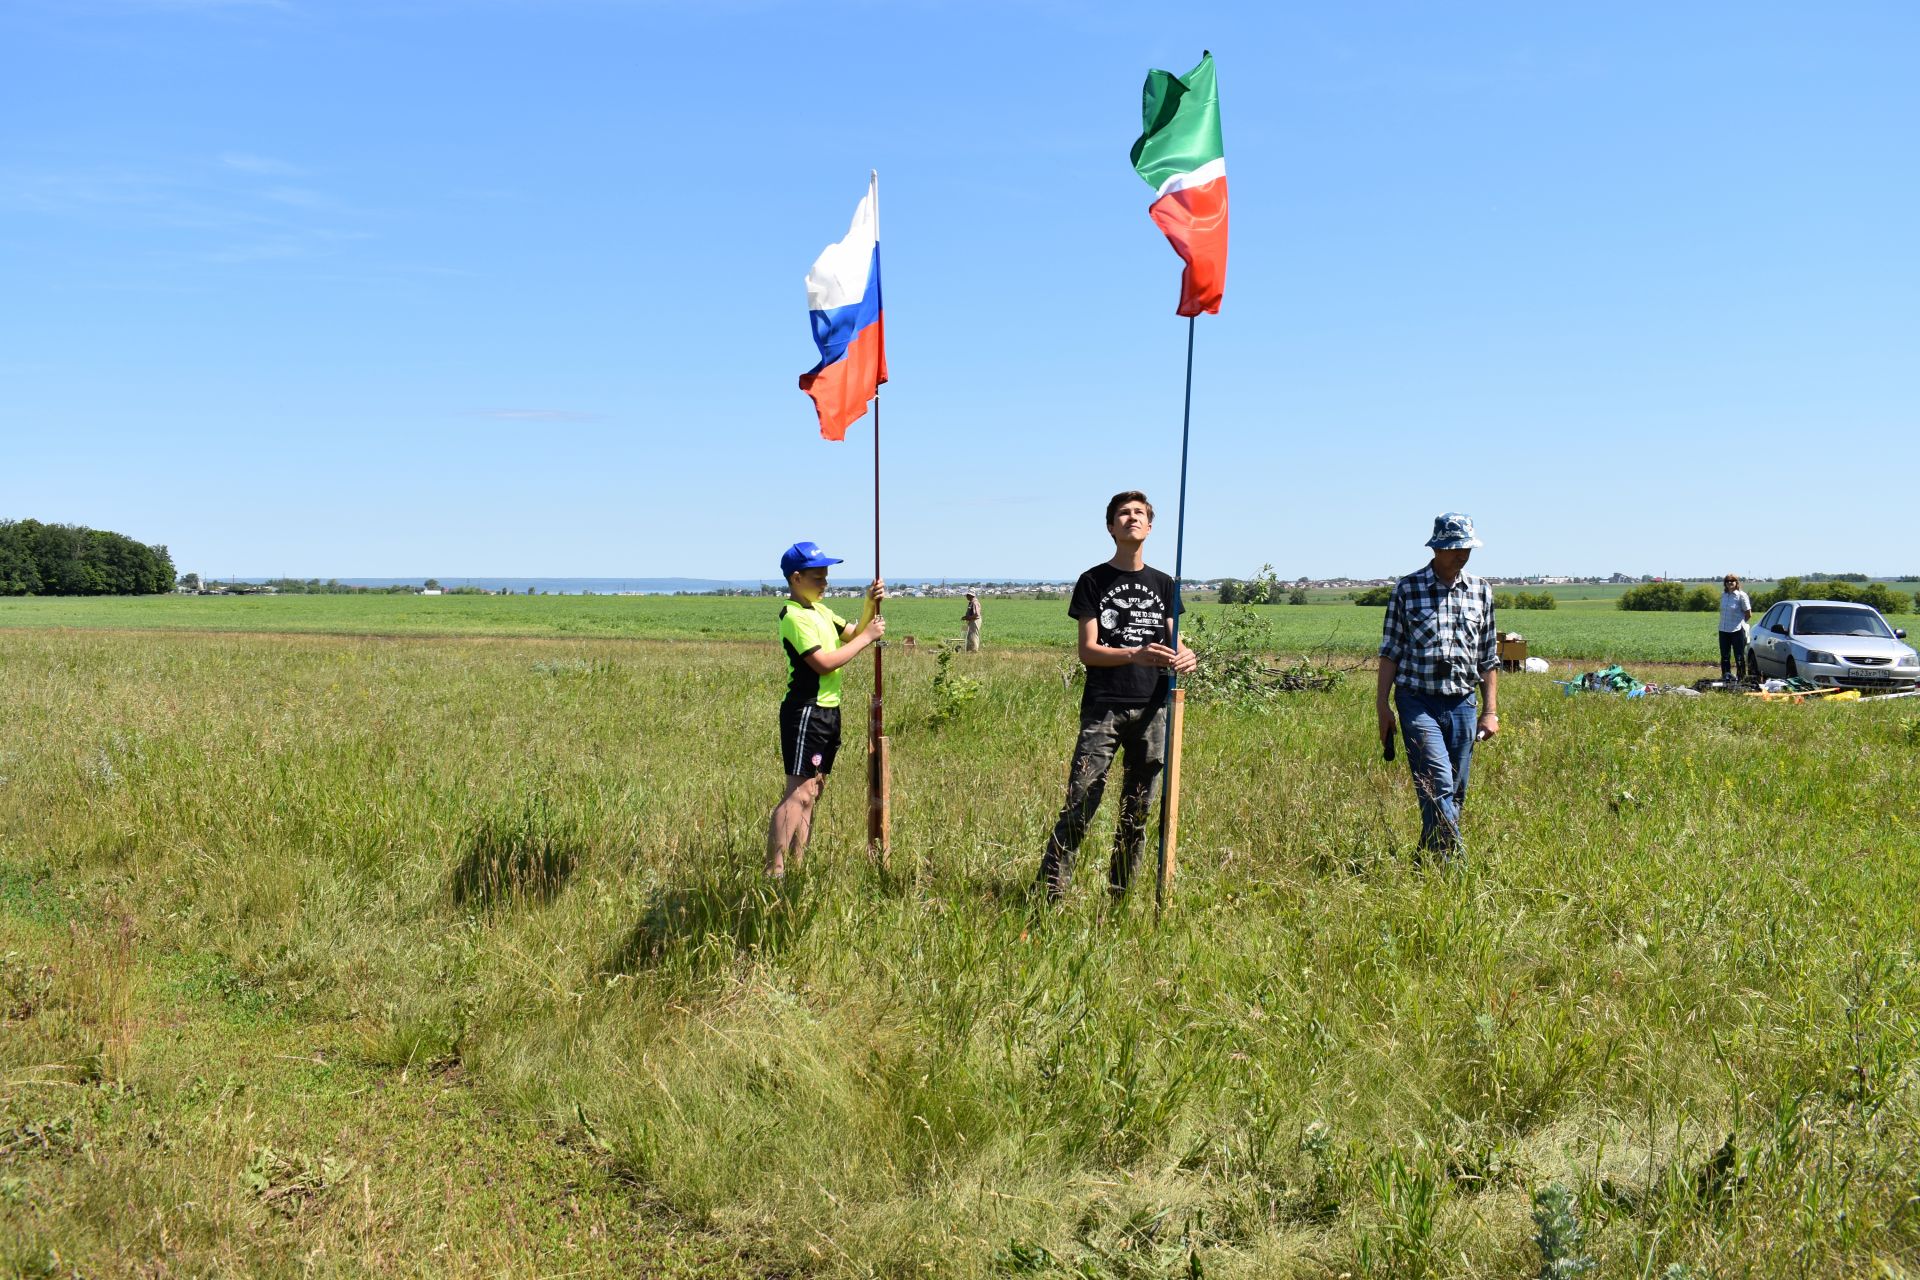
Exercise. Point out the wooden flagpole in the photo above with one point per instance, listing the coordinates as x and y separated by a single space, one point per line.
879 780
879 773
1177 712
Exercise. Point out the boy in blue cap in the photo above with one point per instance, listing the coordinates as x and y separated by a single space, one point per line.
818 642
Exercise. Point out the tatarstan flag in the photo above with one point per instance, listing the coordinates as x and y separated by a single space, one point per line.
1180 157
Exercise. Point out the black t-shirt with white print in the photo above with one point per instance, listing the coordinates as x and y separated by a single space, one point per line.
1134 607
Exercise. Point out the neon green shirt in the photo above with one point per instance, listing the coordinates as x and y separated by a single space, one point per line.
804 629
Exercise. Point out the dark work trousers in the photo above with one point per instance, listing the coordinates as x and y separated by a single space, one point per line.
1733 645
1140 731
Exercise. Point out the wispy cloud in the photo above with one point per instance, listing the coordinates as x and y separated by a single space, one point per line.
280 246
264 165
298 197
227 209
539 415
208 6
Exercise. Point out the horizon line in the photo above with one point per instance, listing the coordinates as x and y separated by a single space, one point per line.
1538 579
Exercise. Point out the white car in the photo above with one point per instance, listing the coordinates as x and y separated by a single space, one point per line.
1832 642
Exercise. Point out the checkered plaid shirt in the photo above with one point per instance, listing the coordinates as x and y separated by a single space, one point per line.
1442 637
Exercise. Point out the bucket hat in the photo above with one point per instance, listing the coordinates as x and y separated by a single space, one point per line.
1453 532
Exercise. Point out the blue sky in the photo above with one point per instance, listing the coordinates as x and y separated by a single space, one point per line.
463 287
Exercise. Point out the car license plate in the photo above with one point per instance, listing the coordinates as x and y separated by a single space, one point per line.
1867 673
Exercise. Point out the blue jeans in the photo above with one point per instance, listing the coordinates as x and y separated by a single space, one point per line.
1438 733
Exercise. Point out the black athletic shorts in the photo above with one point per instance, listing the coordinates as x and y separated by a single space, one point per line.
809 739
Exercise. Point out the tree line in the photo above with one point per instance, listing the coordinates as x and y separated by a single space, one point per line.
1264 587
1677 597
1374 597
72 560
1877 594
333 587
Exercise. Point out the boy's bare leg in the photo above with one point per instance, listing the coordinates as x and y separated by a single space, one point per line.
803 831
792 824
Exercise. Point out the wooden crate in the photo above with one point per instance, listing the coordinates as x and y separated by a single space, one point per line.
1513 653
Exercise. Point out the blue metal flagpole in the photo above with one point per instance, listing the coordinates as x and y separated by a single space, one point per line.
1176 710
1180 526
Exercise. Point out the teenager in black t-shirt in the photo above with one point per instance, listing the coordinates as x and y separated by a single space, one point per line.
1125 612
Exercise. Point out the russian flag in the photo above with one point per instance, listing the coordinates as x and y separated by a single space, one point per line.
843 293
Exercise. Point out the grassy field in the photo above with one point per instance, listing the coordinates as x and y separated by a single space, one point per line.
1587 631
347 955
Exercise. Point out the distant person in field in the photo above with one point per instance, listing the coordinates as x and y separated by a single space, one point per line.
1736 610
818 643
1437 646
1125 613
972 620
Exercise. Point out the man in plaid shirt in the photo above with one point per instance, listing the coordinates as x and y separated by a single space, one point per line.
1437 645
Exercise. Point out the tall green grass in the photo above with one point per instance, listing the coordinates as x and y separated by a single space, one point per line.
1676 975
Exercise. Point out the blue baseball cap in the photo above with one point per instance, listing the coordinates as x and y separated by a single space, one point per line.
803 555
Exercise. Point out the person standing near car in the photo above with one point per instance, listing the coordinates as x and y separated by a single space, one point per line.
1437 645
1736 610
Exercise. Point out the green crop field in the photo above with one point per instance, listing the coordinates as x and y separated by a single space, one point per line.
1584 631
354 955
1588 592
